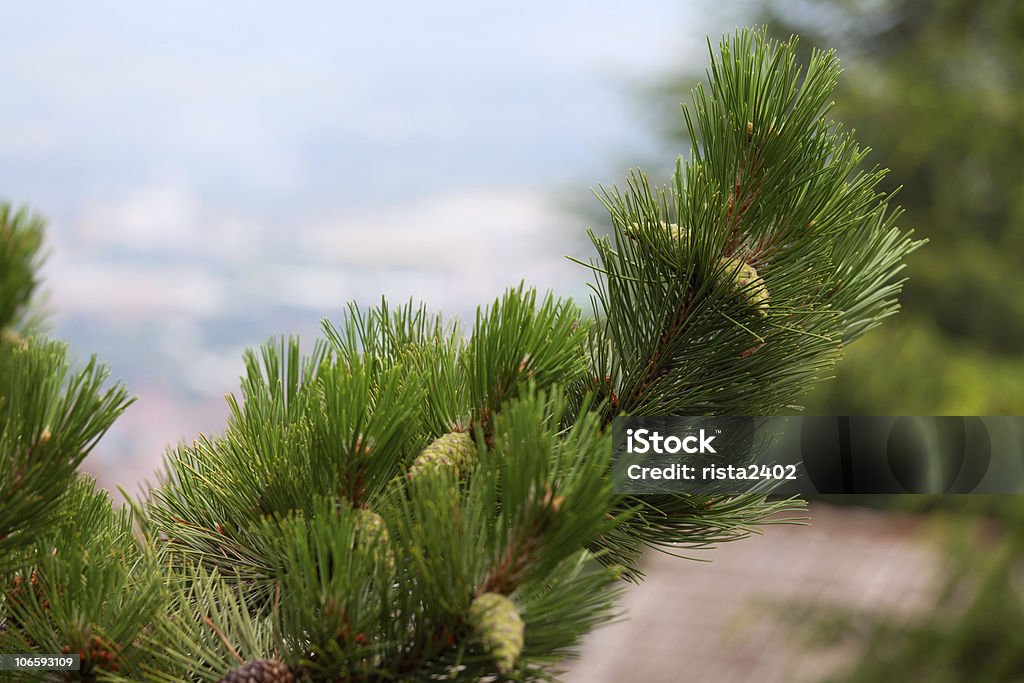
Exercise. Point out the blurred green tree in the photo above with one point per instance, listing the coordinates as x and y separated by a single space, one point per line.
935 89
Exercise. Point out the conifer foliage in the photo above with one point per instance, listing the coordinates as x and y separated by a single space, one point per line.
410 501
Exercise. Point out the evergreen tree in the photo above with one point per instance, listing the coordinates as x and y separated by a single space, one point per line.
406 502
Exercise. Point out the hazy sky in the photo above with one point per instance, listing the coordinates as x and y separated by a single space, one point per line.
216 173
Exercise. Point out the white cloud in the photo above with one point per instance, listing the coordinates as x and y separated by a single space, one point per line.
310 286
452 251
135 290
153 218
462 230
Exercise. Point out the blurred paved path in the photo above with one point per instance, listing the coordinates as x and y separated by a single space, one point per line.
719 621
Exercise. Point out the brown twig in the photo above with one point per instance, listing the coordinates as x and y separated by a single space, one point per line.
518 555
655 368
223 639
506 575
747 192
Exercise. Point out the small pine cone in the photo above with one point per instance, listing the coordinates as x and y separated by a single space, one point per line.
747 280
13 338
370 527
675 232
454 450
260 671
372 532
496 622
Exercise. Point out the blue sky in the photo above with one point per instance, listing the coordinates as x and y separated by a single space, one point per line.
215 173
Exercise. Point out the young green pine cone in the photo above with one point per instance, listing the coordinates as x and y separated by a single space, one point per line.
454 450
748 282
496 622
260 671
372 533
13 338
675 231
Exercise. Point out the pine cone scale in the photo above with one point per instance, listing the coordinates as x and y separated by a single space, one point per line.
453 451
260 671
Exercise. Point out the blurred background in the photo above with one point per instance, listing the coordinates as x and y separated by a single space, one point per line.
218 173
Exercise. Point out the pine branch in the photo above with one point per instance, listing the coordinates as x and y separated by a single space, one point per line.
404 503
734 289
84 587
49 421
21 239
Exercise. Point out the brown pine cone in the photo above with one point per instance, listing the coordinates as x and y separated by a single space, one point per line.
260 671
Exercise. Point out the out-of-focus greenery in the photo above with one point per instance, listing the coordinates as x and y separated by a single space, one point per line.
937 90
